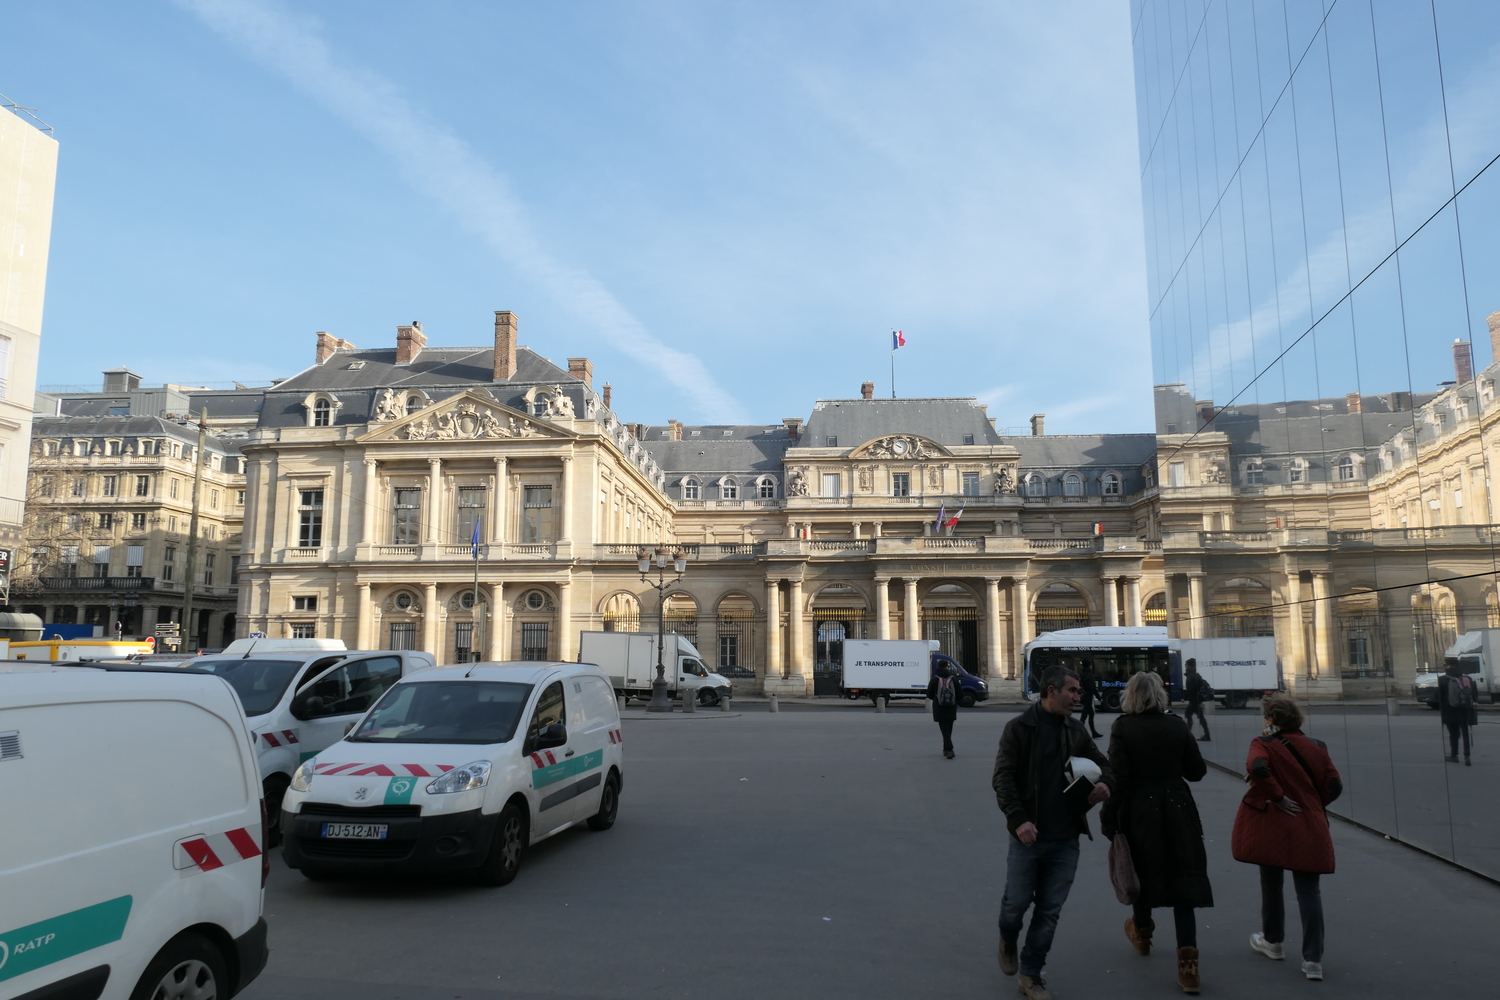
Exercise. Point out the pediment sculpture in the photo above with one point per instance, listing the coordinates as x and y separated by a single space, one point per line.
901 446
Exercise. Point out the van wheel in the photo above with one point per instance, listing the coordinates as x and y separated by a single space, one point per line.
504 860
273 791
1112 701
708 697
188 967
1237 700
609 805
966 699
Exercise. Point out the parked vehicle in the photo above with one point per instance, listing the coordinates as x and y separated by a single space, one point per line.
240 647
125 861
1240 669
78 649
1116 653
299 703
1478 655
901 668
630 660
461 767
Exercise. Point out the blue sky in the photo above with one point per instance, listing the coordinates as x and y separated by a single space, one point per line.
726 206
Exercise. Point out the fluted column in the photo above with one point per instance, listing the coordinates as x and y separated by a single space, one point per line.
774 666
994 647
797 633
911 612
1111 602
1198 627
434 487
566 644
1133 602
430 621
882 608
1322 627
502 493
1022 611
362 637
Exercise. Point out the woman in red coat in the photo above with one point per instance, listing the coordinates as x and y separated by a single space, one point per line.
1281 825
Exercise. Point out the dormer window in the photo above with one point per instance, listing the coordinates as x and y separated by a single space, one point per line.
413 404
729 489
690 489
1255 473
322 413
1072 485
1346 468
766 488
1036 486
1110 485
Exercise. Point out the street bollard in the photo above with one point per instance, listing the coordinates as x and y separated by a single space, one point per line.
880 705
724 702
690 701
774 706
1392 706
620 701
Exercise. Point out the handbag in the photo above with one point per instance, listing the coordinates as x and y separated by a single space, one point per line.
1122 871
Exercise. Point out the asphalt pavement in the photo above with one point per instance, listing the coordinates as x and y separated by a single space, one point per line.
836 854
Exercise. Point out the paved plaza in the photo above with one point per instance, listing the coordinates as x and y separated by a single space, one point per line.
831 854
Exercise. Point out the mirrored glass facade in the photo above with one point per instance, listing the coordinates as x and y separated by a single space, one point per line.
1322 221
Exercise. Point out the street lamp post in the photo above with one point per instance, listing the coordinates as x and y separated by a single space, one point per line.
660 701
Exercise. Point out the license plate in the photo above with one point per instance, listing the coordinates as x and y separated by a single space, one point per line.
355 831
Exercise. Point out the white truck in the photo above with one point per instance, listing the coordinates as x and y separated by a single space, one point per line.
901 668
630 660
1478 655
1239 669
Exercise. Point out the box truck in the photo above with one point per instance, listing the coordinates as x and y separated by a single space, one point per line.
1240 669
901 668
1478 655
630 660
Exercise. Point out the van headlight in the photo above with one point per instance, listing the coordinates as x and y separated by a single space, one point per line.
302 777
462 779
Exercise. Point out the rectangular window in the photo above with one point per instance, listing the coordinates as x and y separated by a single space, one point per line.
971 484
310 526
135 557
149 447
833 484
729 651
406 517
47 487
74 522
110 484
463 641
143 486
138 521
79 486
4 365
304 630
833 442
471 503
901 484
208 569
533 640
172 523
403 635
174 488
968 439
211 531
168 557
101 561
1294 473
70 561
305 602
106 521
536 522
213 499
1177 475
239 498
116 448
234 570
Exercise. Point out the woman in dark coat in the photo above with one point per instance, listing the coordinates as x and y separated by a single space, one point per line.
1154 756
1281 826
944 690
1458 709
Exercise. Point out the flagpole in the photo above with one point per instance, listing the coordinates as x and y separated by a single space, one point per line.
893 373
476 633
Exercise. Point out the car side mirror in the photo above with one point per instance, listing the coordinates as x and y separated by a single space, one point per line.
308 705
555 735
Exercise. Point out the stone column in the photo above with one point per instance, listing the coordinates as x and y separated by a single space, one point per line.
430 621
994 647
1295 642
882 608
911 611
1322 627
148 618
1198 627
367 510
1111 602
362 637
1021 601
1171 594
565 515
114 616
499 626
797 655
875 529
434 489
566 643
1133 602
773 629
502 493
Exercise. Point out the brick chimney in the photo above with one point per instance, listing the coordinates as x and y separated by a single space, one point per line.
676 426
867 390
1038 424
409 343
1205 410
506 329
608 393
1354 402
582 369
327 344
1463 361
793 426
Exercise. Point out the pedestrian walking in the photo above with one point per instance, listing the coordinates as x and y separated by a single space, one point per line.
1281 826
1088 685
1153 756
1196 691
1029 783
943 691
1456 703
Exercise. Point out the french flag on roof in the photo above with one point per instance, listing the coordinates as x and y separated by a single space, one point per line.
898 339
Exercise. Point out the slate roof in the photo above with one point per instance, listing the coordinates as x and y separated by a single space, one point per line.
751 449
85 427
1116 452
855 421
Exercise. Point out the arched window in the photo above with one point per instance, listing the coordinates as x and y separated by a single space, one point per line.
414 403
1110 485
1296 471
766 488
690 489
1346 468
321 413
1073 485
1255 473
729 488
1035 486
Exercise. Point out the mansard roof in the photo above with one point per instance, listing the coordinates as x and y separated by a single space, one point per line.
855 421
746 450
125 427
1119 452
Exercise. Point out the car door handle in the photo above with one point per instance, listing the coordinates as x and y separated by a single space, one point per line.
568 754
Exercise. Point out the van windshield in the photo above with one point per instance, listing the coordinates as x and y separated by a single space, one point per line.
259 683
446 712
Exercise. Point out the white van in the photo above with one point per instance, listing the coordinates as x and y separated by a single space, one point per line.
300 702
130 834
461 767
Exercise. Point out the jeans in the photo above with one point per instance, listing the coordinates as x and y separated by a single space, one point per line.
1195 708
945 726
1182 916
1086 714
1040 873
1454 729
1309 905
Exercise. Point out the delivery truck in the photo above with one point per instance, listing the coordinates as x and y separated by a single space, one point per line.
1478 655
630 660
901 668
1240 669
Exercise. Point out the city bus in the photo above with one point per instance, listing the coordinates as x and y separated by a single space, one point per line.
1115 654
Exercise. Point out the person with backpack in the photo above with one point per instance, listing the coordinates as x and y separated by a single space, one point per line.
1281 826
1196 690
943 691
1456 703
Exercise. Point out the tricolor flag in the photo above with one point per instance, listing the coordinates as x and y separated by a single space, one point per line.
474 539
952 522
898 339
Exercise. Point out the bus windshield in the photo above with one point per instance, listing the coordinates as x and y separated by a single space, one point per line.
1112 665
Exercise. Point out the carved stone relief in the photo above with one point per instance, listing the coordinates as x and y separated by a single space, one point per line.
468 423
902 446
797 485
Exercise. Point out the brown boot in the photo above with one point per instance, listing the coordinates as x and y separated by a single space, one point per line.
1009 962
1139 936
1187 970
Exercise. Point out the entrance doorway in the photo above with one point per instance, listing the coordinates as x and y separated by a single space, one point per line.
833 627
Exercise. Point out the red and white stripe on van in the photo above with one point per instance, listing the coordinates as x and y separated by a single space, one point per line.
208 851
286 737
384 770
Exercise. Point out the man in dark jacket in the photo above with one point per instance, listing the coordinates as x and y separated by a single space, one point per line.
1192 691
1088 686
1456 703
1029 783
944 690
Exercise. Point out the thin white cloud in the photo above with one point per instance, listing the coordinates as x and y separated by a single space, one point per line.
453 174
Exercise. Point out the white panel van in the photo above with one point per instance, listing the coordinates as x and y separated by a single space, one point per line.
461 767
130 834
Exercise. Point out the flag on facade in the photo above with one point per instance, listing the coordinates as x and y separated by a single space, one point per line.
952 522
942 516
898 339
474 539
